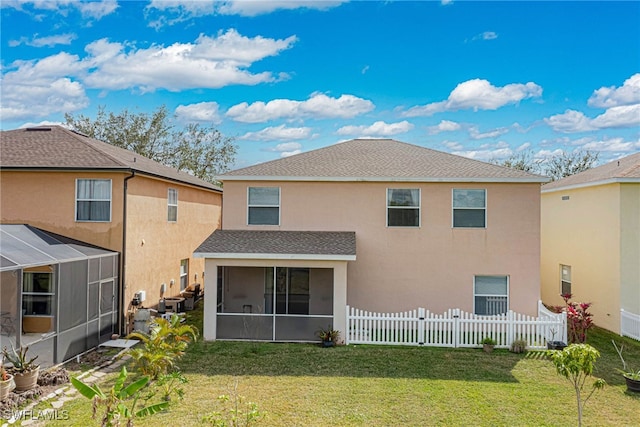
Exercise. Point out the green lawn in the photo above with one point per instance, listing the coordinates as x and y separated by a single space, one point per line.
306 385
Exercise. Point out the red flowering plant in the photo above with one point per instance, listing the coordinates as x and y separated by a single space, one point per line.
579 320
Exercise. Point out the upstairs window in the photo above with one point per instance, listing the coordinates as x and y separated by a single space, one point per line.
403 207
93 200
264 206
469 208
172 205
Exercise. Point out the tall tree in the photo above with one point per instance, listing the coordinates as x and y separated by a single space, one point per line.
201 151
567 164
524 161
556 167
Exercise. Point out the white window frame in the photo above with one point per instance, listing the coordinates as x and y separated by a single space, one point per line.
249 206
50 295
418 208
78 180
562 279
184 274
454 208
170 205
490 295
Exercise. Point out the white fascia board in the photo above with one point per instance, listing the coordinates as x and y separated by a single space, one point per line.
380 179
593 184
306 257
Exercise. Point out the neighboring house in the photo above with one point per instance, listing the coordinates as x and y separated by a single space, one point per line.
153 216
431 229
591 240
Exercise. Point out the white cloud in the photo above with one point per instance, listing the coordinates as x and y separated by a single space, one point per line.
478 94
40 88
616 145
210 62
290 153
317 106
287 149
48 41
97 9
201 112
276 133
89 10
453 145
627 94
170 12
474 133
615 117
253 8
57 83
486 152
569 121
377 129
444 126
487 35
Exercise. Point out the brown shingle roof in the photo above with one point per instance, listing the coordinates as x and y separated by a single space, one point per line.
625 169
380 160
55 147
277 243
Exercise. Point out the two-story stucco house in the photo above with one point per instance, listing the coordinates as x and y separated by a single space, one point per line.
378 224
591 242
152 216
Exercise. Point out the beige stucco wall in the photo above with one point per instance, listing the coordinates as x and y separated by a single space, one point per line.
584 233
47 200
630 247
402 268
154 246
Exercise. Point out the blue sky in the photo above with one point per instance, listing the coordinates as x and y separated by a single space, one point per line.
481 79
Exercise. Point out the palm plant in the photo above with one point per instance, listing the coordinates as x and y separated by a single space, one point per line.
115 400
165 343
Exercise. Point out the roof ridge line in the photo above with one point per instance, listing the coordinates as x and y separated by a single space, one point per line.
79 137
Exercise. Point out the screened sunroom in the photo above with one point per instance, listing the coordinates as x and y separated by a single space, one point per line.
275 285
57 295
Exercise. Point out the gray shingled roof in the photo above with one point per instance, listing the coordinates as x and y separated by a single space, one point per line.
55 147
380 160
625 169
274 243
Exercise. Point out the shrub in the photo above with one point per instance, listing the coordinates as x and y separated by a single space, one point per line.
162 346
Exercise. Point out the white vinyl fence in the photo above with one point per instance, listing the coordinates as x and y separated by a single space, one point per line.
629 325
454 328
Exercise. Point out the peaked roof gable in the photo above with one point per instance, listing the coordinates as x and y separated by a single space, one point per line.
55 147
380 160
626 169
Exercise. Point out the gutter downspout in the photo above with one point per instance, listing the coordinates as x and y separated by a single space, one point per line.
122 322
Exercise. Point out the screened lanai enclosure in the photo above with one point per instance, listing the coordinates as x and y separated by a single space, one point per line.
275 285
274 303
57 295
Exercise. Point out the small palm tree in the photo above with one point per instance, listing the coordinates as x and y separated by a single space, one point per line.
165 343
